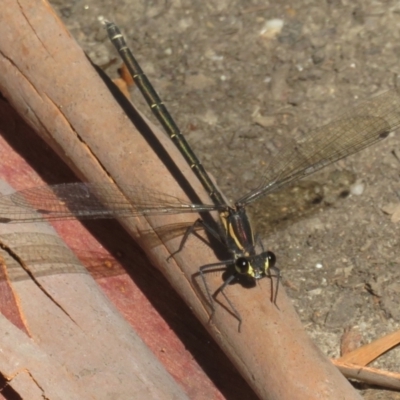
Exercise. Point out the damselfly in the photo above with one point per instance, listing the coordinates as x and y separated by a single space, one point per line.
365 124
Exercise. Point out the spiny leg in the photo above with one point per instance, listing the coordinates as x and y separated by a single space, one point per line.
278 277
213 297
188 232
208 268
192 230
221 289
270 275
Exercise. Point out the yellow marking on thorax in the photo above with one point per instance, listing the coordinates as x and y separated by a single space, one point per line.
231 233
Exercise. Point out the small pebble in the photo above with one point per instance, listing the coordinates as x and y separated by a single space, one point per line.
357 189
315 292
271 28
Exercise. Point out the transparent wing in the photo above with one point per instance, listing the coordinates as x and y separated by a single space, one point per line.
363 125
90 201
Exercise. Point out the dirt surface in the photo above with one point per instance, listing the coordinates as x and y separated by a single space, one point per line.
239 89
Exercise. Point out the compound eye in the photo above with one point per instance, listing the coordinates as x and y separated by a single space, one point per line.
271 259
242 265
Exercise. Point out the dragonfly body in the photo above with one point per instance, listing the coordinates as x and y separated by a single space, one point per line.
361 126
241 243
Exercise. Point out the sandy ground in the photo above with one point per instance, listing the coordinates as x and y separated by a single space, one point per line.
240 87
